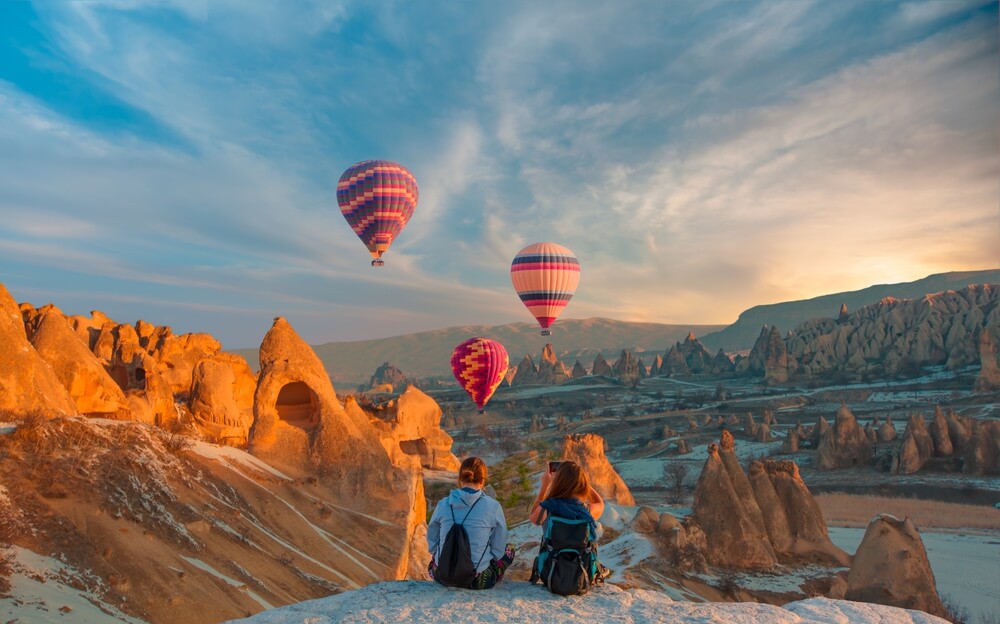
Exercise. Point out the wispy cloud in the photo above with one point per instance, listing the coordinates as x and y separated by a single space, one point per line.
698 158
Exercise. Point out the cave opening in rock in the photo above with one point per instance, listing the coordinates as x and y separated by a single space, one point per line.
298 405
416 447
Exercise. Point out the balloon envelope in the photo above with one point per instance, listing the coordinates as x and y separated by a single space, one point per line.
545 276
479 365
377 197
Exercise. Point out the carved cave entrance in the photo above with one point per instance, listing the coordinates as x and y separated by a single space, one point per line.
416 447
298 405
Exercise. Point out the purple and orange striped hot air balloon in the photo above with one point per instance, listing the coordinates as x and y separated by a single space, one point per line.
479 365
545 276
377 197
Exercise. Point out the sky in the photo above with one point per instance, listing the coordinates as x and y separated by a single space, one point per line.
177 161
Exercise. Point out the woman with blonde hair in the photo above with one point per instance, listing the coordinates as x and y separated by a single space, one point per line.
484 523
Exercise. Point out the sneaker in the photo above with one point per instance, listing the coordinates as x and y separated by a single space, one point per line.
603 572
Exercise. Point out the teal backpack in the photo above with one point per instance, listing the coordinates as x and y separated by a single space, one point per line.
567 560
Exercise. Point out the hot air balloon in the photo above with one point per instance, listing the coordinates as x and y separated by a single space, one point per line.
545 276
377 198
479 365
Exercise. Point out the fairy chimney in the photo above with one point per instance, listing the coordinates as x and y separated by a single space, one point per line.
587 449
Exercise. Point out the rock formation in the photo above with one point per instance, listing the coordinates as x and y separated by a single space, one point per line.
844 444
526 373
982 453
917 447
578 370
795 524
674 363
646 520
410 431
221 398
601 366
656 367
886 431
692 357
843 316
726 511
939 435
550 370
891 568
643 372
816 434
587 449
959 431
763 433
177 355
387 373
750 427
897 337
791 442
721 364
626 369
988 379
93 391
27 383
297 418
770 354
682 447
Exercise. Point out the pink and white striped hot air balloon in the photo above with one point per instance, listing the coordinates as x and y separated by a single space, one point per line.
545 276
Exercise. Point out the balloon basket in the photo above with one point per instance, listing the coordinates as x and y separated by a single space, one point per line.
546 332
378 263
482 411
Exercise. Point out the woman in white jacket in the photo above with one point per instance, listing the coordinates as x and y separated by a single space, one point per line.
484 524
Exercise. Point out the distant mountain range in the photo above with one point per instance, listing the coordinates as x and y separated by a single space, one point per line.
427 354
788 315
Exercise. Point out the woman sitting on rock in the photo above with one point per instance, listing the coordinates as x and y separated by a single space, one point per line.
566 493
486 529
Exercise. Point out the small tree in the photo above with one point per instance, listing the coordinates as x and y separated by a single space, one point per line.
676 474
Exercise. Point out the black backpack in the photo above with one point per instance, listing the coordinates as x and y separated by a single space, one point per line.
567 560
454 566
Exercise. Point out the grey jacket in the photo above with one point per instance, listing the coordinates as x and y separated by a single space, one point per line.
485 526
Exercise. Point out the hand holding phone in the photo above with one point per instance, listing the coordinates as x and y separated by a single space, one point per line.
553 466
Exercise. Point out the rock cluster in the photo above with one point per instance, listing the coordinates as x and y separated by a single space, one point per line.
387 375
976 443
755 521
691 357
891 567
768 358
895 337
844 444
600 367
409 429
588 450
626 369
549 371
27 384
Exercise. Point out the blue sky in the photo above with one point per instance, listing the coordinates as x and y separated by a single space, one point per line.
178 161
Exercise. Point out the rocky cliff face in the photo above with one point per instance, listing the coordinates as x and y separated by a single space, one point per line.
169 529
894 336
691 357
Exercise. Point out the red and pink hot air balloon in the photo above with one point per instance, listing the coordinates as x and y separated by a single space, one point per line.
545 276
479 365
377 197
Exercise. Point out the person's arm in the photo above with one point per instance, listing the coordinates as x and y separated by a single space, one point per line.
434 531
596 503
538 515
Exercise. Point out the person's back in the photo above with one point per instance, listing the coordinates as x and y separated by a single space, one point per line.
484 523
567 507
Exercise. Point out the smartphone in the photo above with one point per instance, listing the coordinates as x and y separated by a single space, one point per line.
554 465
